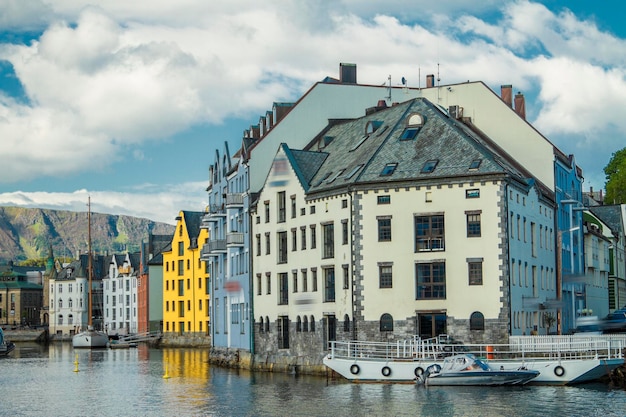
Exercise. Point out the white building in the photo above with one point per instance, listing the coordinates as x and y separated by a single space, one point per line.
120 294
399 223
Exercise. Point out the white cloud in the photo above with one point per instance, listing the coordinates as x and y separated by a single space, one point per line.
159 203
111 75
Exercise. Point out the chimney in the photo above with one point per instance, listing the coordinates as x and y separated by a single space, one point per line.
520 105
347 73
506 91
430 80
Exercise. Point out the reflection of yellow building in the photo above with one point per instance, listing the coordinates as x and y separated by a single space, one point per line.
185 280
188 363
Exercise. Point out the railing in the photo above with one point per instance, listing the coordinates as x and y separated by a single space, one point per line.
234 200
605 346
234 239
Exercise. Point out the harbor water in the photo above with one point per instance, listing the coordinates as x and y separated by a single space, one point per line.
59 381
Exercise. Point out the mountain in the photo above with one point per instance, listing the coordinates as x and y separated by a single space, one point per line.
27 233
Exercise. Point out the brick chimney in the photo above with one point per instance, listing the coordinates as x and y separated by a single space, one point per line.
430 80
506 92
347 73
520 105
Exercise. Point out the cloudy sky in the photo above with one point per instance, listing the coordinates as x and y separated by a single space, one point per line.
127 100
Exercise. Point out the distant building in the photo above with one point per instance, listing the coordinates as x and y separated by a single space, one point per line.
150 283
120 294
185 280
20 299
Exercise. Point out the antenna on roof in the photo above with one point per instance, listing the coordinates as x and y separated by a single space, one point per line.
389 90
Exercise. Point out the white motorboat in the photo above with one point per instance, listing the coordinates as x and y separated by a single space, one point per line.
560 360
466 369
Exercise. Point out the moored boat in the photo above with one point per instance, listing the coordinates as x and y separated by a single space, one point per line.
466 369
6 346
559 359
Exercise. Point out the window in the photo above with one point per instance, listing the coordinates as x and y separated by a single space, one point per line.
386 323
346 276
383 199
313 237
477 321
181 308
385 276
258 244
302 237
388 169
181 248
344 232
305 284
283 332
346 323
267 243
430 281
429 233
268 282
305 324
293 207
312 323
267 211
429 166
475 164
314 278
258 284
473 224
409 133
329 241
344 203
475 271
473 193
181 267
294 239
384 229
329 284
282 247
312 210
181 287
294 280
283 289
281 206
298 324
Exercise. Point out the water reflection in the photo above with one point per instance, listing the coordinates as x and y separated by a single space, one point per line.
129 382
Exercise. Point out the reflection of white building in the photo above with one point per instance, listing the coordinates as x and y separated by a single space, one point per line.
120 294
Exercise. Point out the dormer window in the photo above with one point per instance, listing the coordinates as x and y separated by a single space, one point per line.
429 166
414 123
372 126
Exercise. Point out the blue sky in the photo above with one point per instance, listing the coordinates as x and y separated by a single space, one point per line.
126 101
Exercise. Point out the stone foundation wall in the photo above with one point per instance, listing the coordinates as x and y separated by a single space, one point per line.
185 340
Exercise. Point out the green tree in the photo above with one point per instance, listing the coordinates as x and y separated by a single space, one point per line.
615 173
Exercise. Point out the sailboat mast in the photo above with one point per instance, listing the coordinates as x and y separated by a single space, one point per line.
89 264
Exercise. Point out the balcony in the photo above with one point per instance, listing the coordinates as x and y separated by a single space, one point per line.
234 239
214 212
215 247
234 200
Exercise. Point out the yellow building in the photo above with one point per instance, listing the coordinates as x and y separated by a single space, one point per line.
185 279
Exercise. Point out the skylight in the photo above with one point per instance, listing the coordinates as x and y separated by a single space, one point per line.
409 133
388 169
354 171
475 164
429 166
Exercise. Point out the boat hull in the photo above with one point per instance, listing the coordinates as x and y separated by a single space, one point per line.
90 339
483 378
551 371
6 348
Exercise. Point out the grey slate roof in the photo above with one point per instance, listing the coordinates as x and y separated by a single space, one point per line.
611 216
452 144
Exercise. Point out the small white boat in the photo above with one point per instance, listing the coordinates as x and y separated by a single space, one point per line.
6 346
466 369
90 339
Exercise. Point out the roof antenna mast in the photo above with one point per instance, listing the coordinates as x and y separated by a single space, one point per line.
389 90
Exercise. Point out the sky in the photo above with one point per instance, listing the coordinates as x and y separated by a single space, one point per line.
127 101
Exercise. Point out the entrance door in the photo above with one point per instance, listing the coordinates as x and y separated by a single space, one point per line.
431 324
330 329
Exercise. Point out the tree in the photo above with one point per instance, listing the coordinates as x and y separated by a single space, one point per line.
615 173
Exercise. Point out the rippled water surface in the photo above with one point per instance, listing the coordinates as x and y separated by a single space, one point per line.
40 381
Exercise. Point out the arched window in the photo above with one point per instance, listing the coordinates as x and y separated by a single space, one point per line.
60 320
312 323
70 303
386 323
70 319
298 324
305 324
60 303
261 328
477 321
346 323
267 324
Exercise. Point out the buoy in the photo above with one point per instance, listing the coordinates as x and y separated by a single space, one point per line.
76 363
166 375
